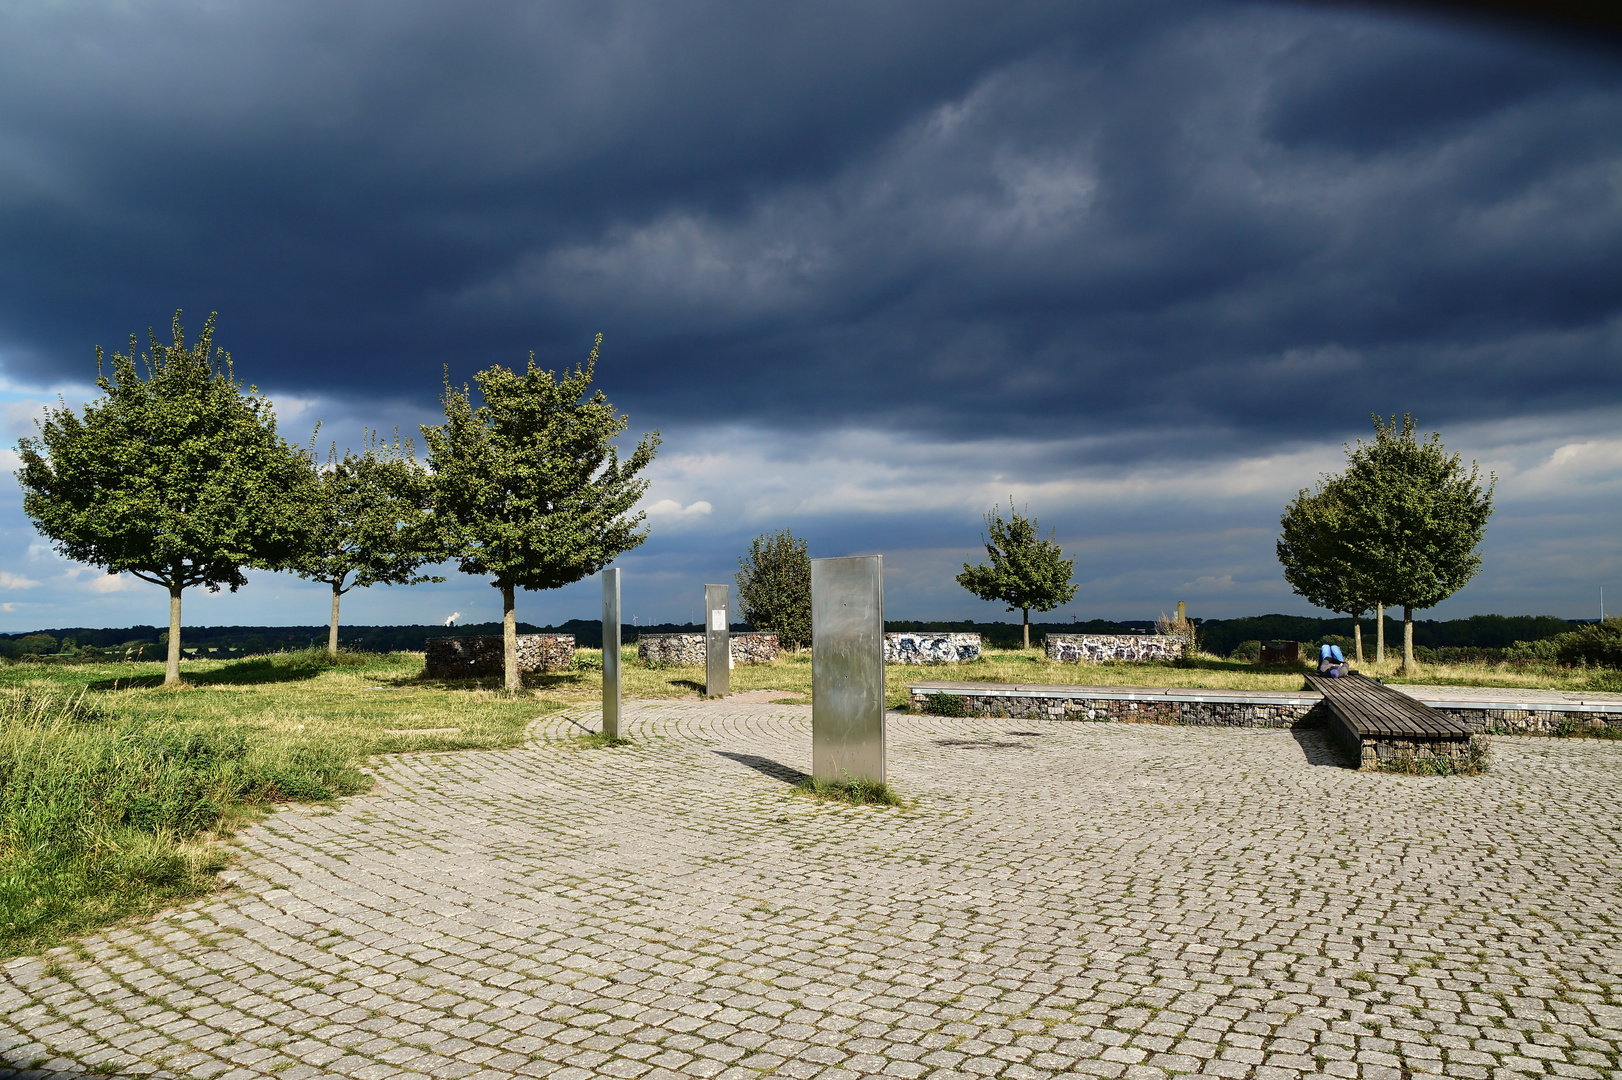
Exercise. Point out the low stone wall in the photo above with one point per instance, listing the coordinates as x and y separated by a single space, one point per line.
1511 721
687 650
1235 709
480 657
1095 648
930 648
752 648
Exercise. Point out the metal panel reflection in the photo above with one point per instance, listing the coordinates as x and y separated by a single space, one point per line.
847 669
717 641
611 652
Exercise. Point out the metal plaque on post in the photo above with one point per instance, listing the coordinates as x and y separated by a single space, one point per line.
717 641
611 652
847 669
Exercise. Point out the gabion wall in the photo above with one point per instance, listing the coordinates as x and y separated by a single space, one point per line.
930 648
478 657
687 650
1075 648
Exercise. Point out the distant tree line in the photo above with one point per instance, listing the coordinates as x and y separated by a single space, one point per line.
177 475
1218 636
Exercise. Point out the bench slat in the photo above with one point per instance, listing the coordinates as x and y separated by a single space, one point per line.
1372 708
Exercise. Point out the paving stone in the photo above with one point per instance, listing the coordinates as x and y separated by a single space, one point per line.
1127 901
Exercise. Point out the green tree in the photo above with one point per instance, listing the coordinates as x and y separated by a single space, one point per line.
373 522
178 478
1418 517
529 488
1319 552
774 587
1026 572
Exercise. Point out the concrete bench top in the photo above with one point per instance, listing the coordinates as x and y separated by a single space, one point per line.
1124 693
1449 697
1498 697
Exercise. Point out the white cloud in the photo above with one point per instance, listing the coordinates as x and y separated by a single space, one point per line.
670 508
98 581
8 580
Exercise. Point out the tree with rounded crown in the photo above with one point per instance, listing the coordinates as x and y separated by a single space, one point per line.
529 488
1026 572
1319 553
177 478
373 522
1418 519
774 587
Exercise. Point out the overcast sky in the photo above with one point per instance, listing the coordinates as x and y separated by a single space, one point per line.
868 268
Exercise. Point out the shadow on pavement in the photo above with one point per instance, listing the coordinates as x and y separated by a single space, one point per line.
766 766
1320 749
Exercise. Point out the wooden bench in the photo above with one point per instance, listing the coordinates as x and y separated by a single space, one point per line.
1377 724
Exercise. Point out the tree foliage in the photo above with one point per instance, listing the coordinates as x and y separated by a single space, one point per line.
1026 572
372 524
529 488
1414 517
1320 554
774 587
177 477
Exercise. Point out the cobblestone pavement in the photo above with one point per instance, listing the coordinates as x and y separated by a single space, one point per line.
1104 899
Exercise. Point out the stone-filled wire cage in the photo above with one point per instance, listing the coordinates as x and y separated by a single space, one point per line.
1100 648
482 657
687 650
927 648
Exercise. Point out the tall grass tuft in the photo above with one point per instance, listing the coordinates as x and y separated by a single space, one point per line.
103 816
851 792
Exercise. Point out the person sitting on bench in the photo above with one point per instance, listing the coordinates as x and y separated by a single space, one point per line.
1332 662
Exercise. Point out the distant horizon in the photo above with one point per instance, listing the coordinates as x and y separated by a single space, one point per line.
343 627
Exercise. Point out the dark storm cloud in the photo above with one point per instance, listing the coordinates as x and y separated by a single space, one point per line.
1165 223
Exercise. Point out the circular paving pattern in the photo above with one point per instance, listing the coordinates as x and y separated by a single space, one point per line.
1104 899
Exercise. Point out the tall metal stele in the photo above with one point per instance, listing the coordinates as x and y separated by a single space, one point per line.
717 641
611 652
847 669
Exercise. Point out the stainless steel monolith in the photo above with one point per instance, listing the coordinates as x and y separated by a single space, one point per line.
611 652
717 641
847 669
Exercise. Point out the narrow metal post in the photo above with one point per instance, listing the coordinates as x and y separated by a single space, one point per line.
847 669
717 641
611 652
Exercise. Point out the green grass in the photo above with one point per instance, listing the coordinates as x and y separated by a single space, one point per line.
850 792
1475 762
115 793
598 740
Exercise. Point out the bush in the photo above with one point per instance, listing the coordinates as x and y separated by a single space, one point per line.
587 662
1546 650
1467 654
940 703
1594 645
1247 650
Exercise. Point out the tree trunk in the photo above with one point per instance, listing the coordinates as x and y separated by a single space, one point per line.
509 637
171 671
332 630
1407 639
1379 634
1357 638
1027 612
